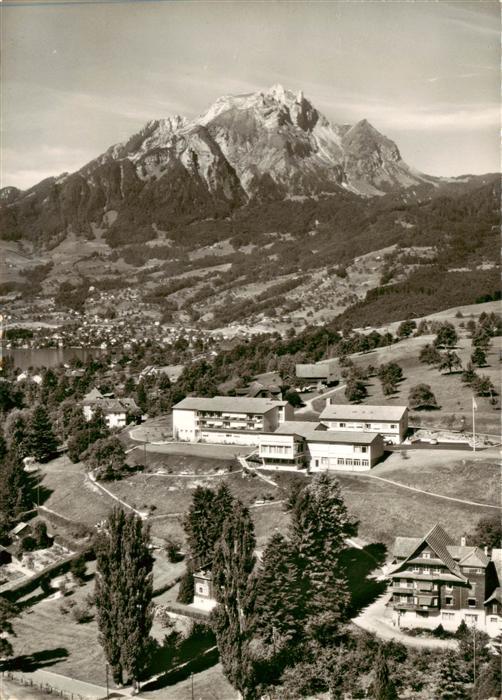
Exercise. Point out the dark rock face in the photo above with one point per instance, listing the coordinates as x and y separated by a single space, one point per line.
265 145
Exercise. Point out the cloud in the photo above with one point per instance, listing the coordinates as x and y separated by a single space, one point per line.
399 116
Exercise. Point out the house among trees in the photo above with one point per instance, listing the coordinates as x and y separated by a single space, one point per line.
21 530
229 420
298 445
203 590
436 581
318 373
173 372
390 421
118 412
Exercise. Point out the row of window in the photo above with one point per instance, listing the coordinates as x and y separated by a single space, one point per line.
364 426
276 449
347 461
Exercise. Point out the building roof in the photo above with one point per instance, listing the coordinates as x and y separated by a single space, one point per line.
233 404
317 369
452 555
496 558
363 412
313 434
469 556
109 404
19 528
297 426
92 396
496 595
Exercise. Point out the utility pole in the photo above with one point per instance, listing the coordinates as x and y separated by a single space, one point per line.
474 409
474 654
107 689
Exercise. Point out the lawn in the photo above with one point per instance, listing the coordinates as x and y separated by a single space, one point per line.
454 397
172 494
470 476
56 642
209 684
180 463
66 490
385 511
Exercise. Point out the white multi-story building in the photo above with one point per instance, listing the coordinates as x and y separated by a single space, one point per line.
299 445
391 422
232 420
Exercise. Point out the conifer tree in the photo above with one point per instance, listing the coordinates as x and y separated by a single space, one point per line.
124 594
453 679
232 565
383 686
15 492
319 526
275 611
43 443
204 522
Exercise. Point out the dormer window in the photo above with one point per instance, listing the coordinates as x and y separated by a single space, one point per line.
426 555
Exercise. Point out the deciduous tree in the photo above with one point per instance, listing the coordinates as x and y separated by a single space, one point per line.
421 396
232 565
123 594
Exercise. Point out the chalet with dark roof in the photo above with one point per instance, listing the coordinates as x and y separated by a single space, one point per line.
436 581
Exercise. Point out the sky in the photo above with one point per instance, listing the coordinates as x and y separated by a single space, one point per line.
80 75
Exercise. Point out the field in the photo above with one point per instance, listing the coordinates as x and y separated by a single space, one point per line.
453 397
385 511
66 490
473 476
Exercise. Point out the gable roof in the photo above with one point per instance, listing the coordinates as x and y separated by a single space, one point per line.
496 558
439 541
469 556
496 595
92 395
362 412
233 404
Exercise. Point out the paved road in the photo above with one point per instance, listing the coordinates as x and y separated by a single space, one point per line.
376 618
309 402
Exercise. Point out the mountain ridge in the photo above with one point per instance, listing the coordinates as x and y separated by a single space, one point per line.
266 145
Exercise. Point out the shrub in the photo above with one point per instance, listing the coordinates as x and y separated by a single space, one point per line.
78 569
82 613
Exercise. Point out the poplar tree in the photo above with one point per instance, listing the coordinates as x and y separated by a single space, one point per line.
319 526
232 565
124 594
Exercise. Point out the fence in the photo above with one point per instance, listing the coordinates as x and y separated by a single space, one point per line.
43 687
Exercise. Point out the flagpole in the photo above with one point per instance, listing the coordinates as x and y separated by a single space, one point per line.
473 426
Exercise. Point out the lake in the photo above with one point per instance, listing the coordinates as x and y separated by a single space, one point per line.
48 357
